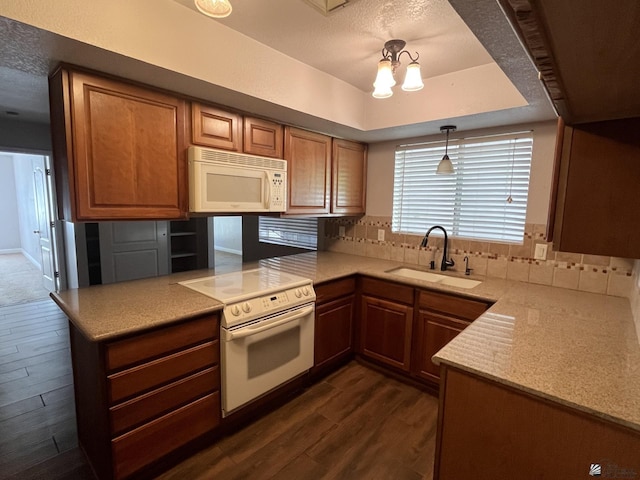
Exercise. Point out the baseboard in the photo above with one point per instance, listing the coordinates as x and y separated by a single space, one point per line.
7 251
31 259
228 250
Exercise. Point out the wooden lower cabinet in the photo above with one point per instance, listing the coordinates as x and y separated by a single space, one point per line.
440 318
144 397
488 431
386 331
403 327
335 307
433 331
144 445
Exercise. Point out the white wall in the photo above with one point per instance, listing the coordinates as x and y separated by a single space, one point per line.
227 234
381 162
23 173
10 231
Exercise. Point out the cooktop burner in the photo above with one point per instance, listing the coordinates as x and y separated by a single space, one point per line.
237 286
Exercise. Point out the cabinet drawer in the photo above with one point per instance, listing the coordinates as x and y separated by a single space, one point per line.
150 345
144 445
336 289
144 377
389 290
157 402
456 306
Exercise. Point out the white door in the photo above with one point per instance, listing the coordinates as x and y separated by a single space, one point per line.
46 227
132 250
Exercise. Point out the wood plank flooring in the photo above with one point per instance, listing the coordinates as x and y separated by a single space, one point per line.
354 424
37 416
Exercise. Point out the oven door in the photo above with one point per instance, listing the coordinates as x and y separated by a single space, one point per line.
258 357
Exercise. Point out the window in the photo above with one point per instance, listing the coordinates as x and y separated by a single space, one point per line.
294 232
486 197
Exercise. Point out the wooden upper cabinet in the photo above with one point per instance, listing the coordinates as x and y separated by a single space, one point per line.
119 149
349 177
597 203
308 156
215 128
262 137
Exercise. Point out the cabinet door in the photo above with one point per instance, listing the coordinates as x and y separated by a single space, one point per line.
349 172
308 158
127 156
597 194
386 332
262 137
433 332
333 330
212 127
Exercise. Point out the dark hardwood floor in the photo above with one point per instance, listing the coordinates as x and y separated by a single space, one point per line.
37 417
354 424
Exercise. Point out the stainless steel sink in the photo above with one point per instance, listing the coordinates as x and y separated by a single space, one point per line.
435 277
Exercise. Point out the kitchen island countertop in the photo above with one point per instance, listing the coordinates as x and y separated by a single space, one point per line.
575 348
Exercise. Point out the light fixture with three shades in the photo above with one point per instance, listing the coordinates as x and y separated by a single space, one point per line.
388 65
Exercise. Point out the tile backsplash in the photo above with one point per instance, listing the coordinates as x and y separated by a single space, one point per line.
590 273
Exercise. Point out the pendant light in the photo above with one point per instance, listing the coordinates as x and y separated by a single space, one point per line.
445 167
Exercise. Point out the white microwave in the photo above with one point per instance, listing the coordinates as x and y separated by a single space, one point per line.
221 181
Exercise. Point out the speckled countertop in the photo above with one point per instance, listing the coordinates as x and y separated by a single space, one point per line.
576 348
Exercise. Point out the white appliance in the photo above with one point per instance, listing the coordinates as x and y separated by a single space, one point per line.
267 330
221 181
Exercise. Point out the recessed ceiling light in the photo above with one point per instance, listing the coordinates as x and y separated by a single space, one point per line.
214 8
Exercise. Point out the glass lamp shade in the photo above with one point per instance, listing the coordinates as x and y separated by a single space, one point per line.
382 92
384 79
445 167
214 8
413 78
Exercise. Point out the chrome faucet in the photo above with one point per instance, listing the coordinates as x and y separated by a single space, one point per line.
445 263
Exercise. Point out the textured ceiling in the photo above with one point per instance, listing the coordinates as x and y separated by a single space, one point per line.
345 44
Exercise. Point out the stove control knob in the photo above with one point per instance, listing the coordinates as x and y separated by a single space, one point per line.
235 310
298 292
305 291
246 308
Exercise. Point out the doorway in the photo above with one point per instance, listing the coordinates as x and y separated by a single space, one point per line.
226 233
28 258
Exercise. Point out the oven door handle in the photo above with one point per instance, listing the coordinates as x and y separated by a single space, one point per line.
276 322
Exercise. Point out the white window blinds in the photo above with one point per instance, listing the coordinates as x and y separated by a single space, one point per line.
486 197
294 232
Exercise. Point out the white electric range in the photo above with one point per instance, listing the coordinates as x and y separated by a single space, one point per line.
267 330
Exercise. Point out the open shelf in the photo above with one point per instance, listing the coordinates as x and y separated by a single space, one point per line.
188 244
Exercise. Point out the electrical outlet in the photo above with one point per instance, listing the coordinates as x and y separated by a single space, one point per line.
380 235
341 231
541 251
